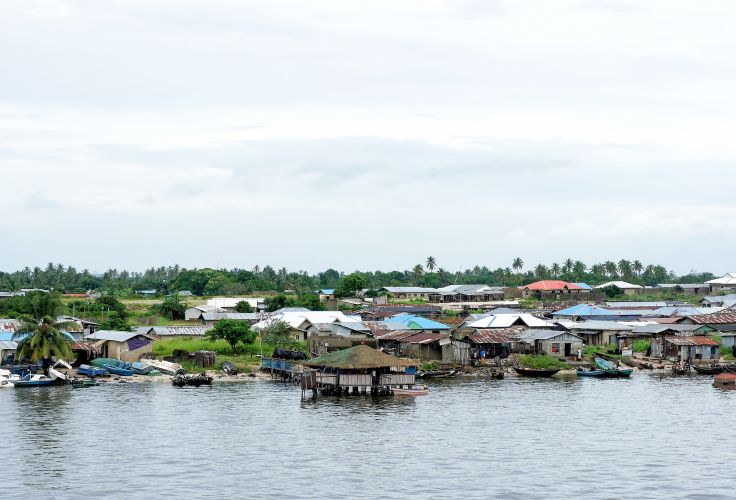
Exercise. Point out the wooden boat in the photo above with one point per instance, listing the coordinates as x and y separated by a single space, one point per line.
92 371
725 379
115 370
415 390
590 373
439 373
611 370
140 368
709 369
82 383
534 372
114 366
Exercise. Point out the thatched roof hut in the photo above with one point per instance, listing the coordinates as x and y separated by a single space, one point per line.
360 357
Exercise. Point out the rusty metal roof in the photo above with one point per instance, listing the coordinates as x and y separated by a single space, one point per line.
424 338
718 318
549 285
493 335
394 334
691 341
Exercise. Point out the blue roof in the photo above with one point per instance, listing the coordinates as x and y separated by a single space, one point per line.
584 285
326 291
413 322
21 336
586 310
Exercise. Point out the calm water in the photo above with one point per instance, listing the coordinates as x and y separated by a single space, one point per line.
513 438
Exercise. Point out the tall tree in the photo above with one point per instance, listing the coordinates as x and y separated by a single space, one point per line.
42 340
555 270
567 266
638 267
518 264
431 263
418 272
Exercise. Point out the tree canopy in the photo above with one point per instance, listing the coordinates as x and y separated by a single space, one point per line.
233 332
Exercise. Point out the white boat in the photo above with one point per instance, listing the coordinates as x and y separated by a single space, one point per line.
414 390
5 383
165 367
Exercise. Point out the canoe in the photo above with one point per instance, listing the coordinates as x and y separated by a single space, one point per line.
420 390
709 369
440 373
612 370
191 380
590 373
140 368
534 372
726 378
92 371
80 384
115 370
104 362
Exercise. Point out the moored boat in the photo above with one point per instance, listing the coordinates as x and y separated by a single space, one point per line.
439 373
725 379
31 380
611 370
92 371
165 367
535 372
414 390
191 380
590 373
140 368
709 369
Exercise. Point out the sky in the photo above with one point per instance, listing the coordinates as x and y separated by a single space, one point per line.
367 135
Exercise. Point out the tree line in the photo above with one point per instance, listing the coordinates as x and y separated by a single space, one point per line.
208 281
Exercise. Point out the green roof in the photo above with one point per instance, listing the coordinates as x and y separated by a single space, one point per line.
358 358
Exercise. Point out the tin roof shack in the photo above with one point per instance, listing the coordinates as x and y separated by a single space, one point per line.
726 281
466 293
486 343
719 300
173 332
414 322
424 346
360 369
588 311
209 319
126 346
7 351
723 321
691 348
557 343
599 332
657 333
195 313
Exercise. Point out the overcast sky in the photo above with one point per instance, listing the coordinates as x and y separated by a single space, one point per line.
367 135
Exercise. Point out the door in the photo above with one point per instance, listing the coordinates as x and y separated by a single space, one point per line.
568 349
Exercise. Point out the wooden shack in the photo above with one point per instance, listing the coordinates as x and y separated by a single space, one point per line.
360 369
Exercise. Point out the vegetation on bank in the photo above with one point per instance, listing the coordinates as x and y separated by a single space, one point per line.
542 362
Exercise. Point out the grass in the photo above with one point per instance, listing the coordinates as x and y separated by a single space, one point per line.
657 297
541 362
245 360
429 366
641 345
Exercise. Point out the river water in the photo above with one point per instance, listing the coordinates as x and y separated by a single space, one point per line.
648 437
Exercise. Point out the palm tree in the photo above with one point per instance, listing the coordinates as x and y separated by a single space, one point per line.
567 266
541 272
638 267
610 268
431 263
42 341
418 272
518 264
579 269
624 267
555 269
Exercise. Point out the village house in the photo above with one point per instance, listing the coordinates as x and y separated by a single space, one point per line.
626 288
728 280
546 288
719 300
126 346
487 343
173 332
588 311
229 303
407 292
558 343
722 321
300 319
506 321
466 293
413 322
693 288
195 313
596 332
210 319
691 348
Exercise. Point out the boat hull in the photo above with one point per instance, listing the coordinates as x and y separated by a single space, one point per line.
531 372
410 392
591 373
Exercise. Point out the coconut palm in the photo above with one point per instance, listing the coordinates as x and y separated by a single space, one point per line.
610 268
431 263
624 267
567 266
41 341
518 264
638 267
418 272
555 269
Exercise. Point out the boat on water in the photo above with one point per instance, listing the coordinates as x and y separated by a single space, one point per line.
535 372
581 372
191 380
92 371
414 390
439 373
31 380
725 379
713 369
82 383
611 370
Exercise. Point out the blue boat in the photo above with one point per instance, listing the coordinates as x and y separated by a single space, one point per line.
116 370
590 373
92 371
140 369
114 366
35 381
612 370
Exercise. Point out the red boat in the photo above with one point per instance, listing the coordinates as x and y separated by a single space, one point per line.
727 378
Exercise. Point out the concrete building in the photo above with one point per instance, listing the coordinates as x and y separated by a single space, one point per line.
126 346
626 288
557 343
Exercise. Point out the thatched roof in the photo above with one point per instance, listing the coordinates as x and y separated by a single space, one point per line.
360 357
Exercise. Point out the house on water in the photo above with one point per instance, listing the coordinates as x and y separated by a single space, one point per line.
558 343
360 369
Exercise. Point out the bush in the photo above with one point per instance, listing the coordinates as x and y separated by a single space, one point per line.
541 362
641 345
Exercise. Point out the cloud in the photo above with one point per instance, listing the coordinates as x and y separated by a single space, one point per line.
40 201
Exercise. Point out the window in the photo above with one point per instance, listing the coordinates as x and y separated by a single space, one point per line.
555 347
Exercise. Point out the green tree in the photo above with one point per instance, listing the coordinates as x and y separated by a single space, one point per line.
172 307
243 307
350 284
567 265
43 341
418 273
638 267
431 263
518 264
311 301
279 301
114 321
233 332
612 291
555 270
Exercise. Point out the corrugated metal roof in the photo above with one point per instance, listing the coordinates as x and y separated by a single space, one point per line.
623 285
598 325
217 316
424 338
552 285
532 335
414 322
728 316
691 341
8 345
163 331
113 335
507 320
493 335
726 279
